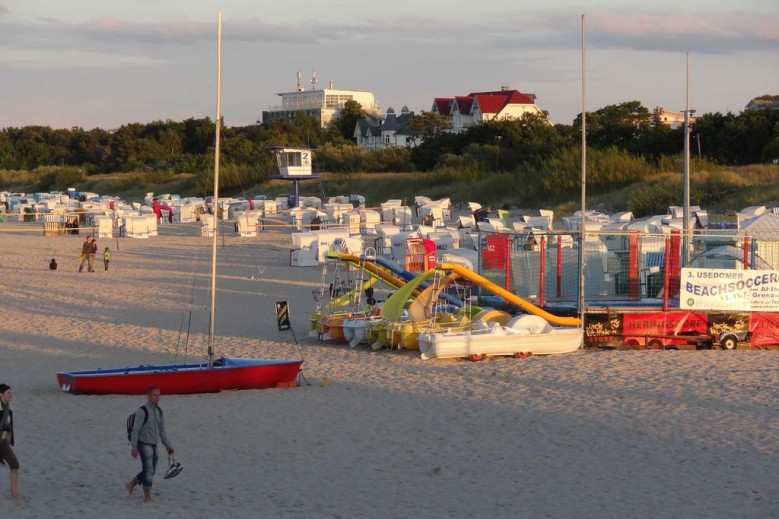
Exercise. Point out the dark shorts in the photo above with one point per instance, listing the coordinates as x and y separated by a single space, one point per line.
8 456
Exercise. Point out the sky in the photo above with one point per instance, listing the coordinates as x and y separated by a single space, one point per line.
105 63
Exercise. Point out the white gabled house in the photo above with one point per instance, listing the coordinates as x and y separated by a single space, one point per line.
480 107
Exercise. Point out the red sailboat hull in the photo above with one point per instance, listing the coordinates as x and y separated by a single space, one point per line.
225 374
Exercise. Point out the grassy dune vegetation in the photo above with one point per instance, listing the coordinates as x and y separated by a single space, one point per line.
717 191
715 188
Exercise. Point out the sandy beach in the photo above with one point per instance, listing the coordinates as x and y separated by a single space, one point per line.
369 434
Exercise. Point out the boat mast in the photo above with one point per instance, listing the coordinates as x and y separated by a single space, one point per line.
686 172
215 204
582 264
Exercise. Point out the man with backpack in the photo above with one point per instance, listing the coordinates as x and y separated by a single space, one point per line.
148 426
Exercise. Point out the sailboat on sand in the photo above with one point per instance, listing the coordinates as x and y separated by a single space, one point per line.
217 374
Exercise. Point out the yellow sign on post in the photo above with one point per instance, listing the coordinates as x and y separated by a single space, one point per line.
282 315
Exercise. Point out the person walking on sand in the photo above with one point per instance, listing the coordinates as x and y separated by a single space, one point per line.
92 254
88 252
86 249
148 427
106 257
7 455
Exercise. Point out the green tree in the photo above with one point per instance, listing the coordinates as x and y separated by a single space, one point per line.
771 149
737 139
432 150
32 146
428 125
659 140
198 135
347 119
309 130
7 152
618 125
752 131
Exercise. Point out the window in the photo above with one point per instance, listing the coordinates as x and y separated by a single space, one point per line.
293 159
337 101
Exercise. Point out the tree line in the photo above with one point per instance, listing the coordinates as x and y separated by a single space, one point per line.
732 139
512 145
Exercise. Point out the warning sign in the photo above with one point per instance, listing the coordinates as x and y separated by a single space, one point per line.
282 315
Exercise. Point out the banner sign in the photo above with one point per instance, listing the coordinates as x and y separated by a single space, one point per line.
729 289
282 315
495 253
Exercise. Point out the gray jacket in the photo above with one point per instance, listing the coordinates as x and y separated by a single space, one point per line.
152 430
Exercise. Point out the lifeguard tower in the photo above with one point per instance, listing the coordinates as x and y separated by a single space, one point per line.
293 164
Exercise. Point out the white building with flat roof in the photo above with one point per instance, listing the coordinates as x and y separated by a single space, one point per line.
322 105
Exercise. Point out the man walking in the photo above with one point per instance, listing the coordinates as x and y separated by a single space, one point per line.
148 427
86 255
92 254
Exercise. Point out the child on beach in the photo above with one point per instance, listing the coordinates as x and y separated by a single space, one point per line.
106 257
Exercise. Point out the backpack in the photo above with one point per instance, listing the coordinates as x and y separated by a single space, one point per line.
131 421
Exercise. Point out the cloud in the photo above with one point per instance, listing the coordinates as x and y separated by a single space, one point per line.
43 42
650 30
66 59
402 59
116 31
643 30
700 32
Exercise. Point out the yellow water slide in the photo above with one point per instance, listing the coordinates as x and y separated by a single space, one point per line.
369 266
508 296
349 297
422 306
393 306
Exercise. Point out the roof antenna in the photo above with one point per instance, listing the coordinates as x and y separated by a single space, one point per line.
299 76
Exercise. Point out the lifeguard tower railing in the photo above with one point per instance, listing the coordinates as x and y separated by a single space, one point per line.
543 267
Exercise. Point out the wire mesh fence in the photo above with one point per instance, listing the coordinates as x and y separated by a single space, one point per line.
618 266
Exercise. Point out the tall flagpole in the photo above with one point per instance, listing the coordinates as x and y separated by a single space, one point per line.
582 264
686 172
215 204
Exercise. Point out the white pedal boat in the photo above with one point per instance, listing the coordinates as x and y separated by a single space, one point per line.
521 336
